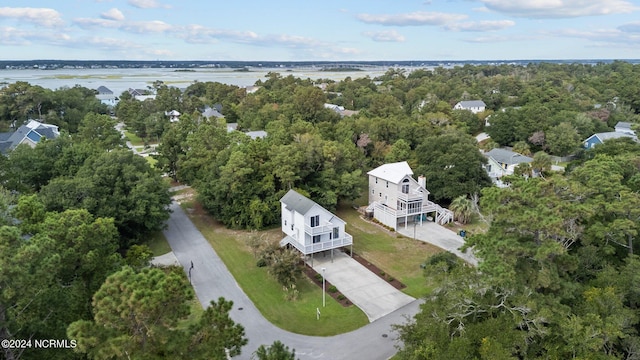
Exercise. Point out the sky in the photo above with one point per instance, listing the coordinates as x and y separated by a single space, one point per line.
312 30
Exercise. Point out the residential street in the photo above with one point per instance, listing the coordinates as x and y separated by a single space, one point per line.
212 280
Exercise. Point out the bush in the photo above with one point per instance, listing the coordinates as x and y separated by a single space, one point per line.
382 273
341 297
332 289
318 277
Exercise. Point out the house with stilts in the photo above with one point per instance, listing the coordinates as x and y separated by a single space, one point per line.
397 199
309 227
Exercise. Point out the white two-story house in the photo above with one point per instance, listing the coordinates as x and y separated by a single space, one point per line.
396 198
309 227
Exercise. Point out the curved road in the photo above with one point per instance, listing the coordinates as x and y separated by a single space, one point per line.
211 280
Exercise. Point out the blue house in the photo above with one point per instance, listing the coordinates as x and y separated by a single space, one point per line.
599 138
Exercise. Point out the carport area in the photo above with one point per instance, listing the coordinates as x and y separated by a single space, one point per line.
374 296
439 236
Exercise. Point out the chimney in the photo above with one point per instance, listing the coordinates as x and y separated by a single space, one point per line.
422 181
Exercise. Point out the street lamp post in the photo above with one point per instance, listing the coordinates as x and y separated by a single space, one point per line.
323 292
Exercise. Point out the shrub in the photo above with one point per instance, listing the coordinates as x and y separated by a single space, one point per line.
332 289
341 297
318 277
261 262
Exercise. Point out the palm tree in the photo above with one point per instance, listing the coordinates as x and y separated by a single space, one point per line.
462 209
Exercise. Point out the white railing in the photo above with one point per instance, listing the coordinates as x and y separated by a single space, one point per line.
443 215
410 197
318 230
321 246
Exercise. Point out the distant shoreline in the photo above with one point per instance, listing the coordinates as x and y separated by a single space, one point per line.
331 65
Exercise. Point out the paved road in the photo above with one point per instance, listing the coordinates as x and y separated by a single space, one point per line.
211 280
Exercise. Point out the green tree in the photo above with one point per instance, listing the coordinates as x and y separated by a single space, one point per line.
100 132
462 208
140 315
115 184
275 351
452 165
562 139
134 314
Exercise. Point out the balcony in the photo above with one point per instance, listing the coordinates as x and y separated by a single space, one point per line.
411 196
319 230
317 247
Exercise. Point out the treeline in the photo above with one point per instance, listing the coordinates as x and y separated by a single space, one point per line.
558 276
401 116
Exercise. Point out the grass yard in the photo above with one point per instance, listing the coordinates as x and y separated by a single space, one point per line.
297 316
158 244
133 138
395 254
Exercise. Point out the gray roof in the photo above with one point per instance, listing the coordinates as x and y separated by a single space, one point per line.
103 90
612 135
472 103
297 202
257 134
211 112
504 156
623 125
34 130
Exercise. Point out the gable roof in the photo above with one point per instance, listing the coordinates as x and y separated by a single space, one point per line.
472 104
297 202
209 112
504 156
33 130
393 172
103 90
611 135
623 125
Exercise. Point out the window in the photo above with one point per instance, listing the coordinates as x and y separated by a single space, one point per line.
315 220
405 188
285 223
380 195
387 184
336 232
316 239
373 192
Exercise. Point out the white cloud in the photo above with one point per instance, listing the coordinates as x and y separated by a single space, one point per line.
480 26
384 36
411 19
202 35
141 27
560 8
148 4
633 27
600 37
41 16
502 38
13 36
113 14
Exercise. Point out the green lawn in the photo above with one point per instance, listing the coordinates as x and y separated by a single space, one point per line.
296 316
393 253
158 243
133 138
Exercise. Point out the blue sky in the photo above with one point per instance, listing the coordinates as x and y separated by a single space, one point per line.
298 30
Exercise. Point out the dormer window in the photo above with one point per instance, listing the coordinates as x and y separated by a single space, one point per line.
405 186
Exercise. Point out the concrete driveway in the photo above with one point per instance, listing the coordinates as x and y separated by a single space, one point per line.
211 280
441 237
374 296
